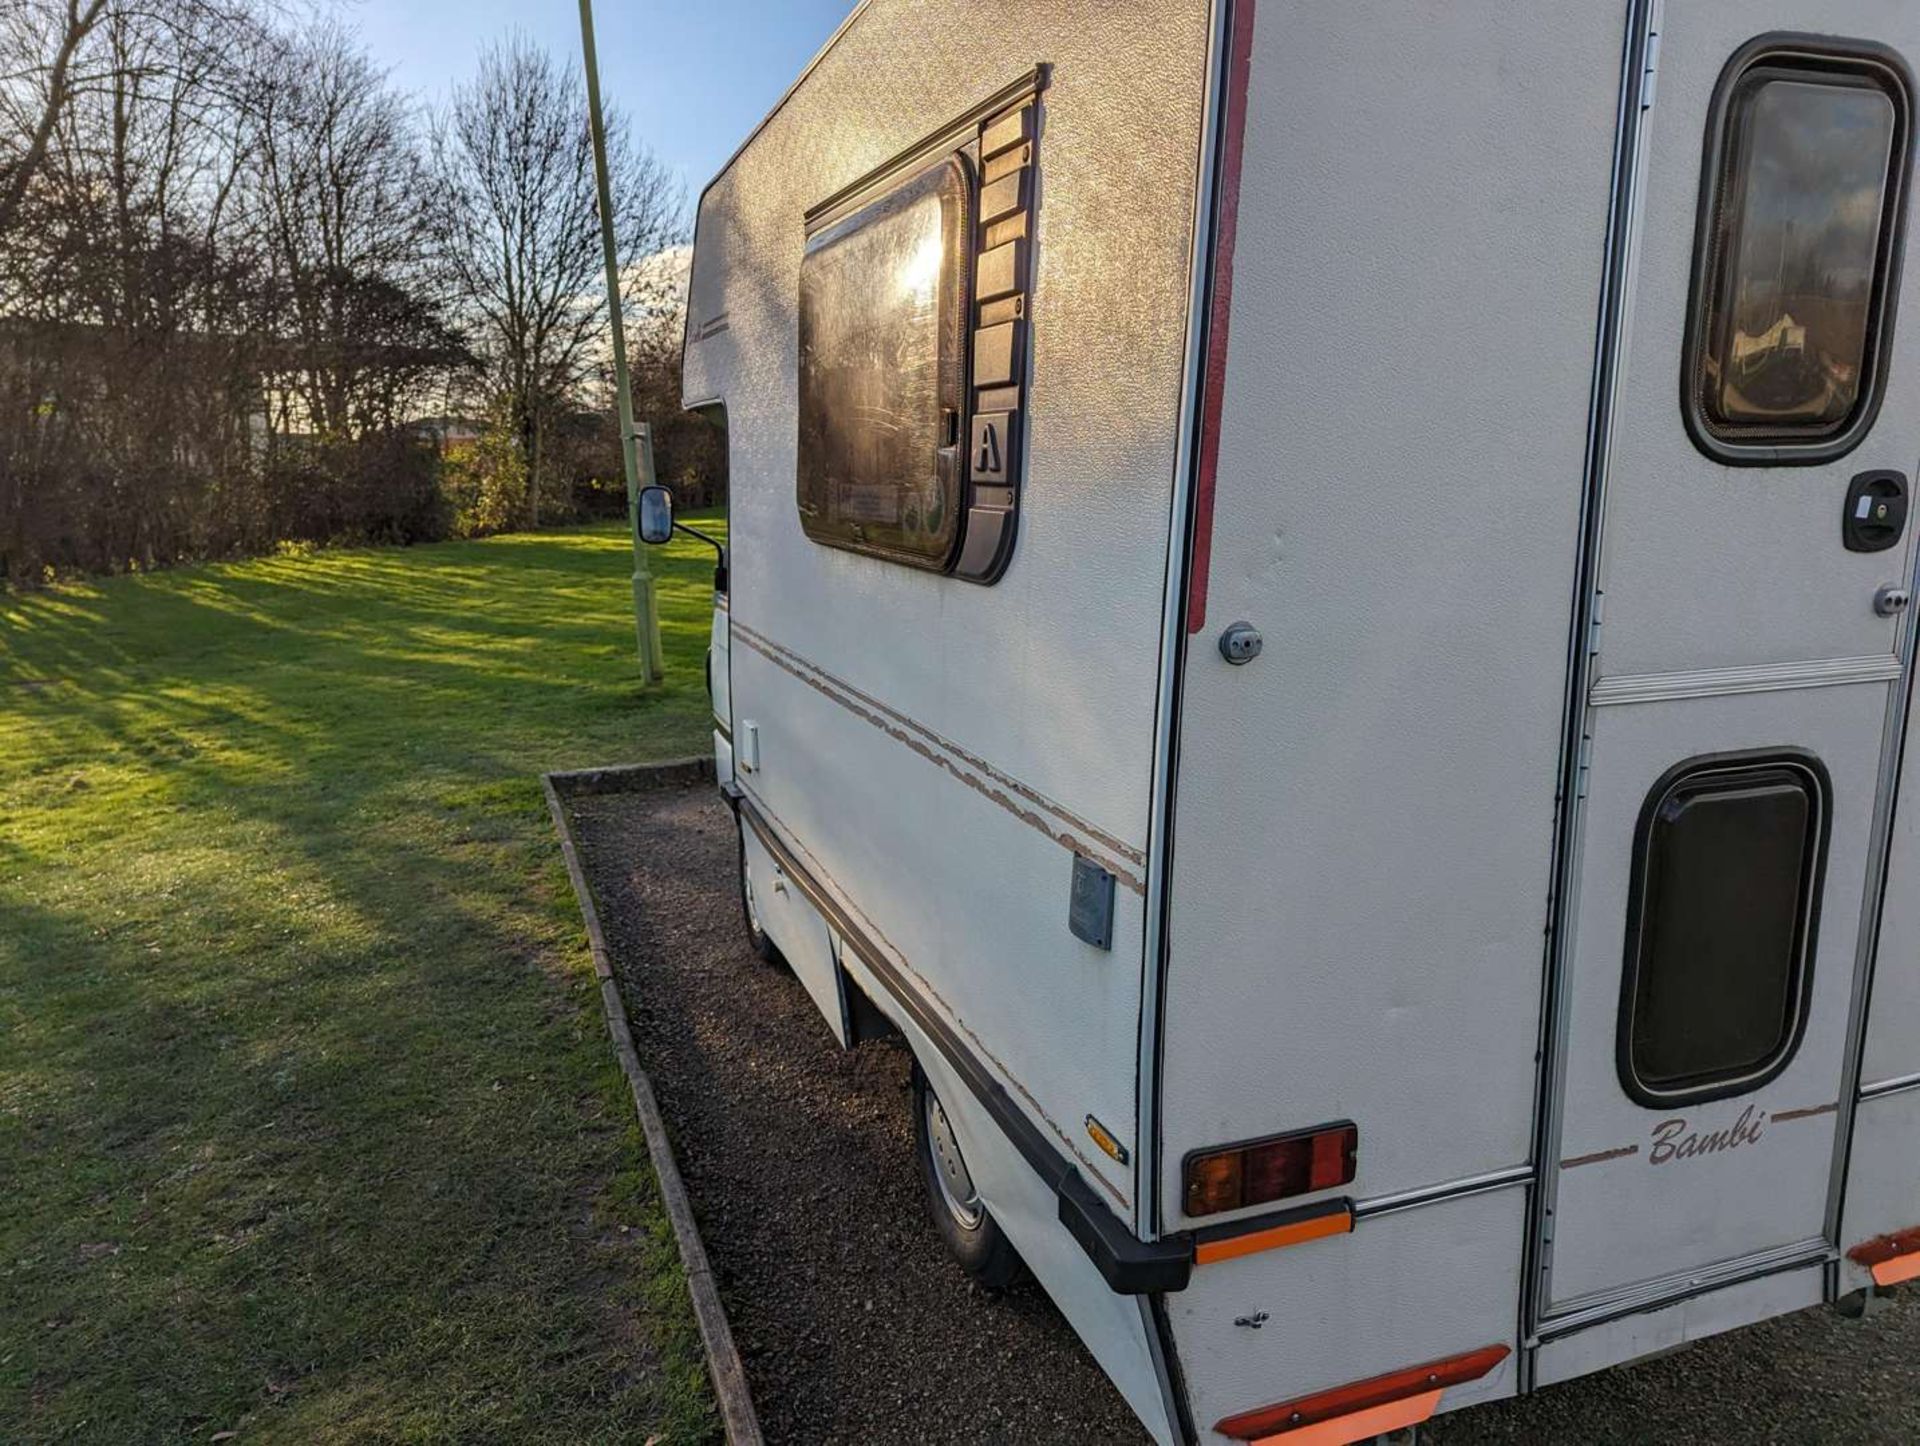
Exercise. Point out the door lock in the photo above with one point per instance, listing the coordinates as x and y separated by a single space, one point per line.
1891 601
1240 643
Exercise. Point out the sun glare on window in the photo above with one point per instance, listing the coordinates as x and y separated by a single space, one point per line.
920 272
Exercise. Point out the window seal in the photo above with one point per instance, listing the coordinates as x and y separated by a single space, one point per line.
1807 933
1813 55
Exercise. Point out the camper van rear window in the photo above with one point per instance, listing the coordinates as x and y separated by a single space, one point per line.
883 326
1799 238
1730 857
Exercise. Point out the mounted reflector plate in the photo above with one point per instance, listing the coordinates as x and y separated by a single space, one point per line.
1090 905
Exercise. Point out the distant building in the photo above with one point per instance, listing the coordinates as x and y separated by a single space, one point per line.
445 432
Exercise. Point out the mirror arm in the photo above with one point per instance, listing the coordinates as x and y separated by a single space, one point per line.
714 543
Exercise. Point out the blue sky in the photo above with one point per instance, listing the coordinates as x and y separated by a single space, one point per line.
693 77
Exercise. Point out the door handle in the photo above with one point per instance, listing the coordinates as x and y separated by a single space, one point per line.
1876 513
1891 601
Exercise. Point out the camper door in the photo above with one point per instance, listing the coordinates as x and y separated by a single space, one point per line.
1735 747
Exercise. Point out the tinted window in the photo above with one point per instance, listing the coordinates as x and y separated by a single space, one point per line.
1798 244
882 372
1720 930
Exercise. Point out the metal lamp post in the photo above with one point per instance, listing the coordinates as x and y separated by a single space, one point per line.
636 441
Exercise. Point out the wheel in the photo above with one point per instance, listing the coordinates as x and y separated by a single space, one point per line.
757 937
958 1213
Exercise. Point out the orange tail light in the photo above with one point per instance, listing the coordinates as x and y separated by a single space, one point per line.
1275 1168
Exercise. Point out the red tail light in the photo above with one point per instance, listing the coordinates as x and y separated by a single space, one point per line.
1271 1169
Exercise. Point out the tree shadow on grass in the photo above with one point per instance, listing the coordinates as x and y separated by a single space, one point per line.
301 1099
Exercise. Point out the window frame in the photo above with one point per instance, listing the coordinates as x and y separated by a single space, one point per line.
1806 933
956 280
997 141
1785 56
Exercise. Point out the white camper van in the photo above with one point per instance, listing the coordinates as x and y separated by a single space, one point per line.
1318 618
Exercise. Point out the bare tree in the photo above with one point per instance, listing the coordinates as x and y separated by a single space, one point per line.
521 230
218 215
343 198
55 52
231 264
151 142
40 40
112 263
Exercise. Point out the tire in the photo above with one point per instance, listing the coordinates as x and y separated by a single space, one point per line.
971 1234
757 937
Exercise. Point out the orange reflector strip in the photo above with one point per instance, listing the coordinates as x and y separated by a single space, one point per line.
1416 1388
1294 1232
1362 1425
1892 1258
1901 1267
1104 1138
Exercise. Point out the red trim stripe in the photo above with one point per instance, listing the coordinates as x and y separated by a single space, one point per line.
1883 1248
1892 1258
1233 135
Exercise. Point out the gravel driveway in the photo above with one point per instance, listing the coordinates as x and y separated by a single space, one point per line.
856 1327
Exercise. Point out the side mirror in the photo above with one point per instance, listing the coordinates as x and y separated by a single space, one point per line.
656 515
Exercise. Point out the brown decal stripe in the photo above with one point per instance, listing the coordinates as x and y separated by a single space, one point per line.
1118 846
1808 1114
1598 1156
829 687
872 930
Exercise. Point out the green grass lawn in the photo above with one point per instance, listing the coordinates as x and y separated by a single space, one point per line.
309 1127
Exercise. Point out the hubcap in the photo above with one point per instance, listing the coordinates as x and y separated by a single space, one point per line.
949 1170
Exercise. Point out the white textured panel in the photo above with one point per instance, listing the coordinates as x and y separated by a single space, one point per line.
793 924
1402 1290
1628 1219
1893 1028
1363 845
1072 622
1650 1333
1049 677
1711 566
719 674
1728 594
1883 1179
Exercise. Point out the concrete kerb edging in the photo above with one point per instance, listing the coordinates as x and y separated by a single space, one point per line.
635 777
723 1357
